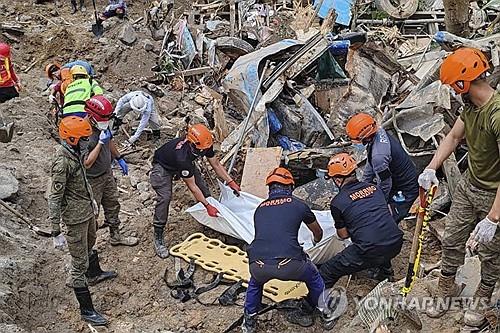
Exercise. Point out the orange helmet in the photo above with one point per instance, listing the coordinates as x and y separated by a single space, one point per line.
341 165
361 126
462 67
51 68
280 175
200 136
73 128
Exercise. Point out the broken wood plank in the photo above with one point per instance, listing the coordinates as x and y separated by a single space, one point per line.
232 17
194 71
259 162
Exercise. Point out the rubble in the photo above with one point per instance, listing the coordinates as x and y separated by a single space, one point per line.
9 185
127 34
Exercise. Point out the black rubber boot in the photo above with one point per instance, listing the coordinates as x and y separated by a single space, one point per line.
87 311
160 248
303 316
95 274
249 324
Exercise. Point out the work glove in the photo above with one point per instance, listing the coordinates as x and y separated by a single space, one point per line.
52 99
105 136
59 241
484 231
123 165
235 187
427 179
212 211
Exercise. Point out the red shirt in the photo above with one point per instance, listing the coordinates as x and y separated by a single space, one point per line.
8 77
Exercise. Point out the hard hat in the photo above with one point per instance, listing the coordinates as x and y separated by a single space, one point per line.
138 102
78 70
200 136
72 129
99 109
361 126
50 69
462 67
341 165
5 50
280 175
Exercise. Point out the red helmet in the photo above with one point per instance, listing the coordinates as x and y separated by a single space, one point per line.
99 109
5 50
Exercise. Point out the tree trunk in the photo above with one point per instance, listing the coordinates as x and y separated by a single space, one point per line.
457 17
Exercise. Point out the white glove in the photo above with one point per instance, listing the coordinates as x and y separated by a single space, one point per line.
59 242
127 144
427 179
52 99
484 231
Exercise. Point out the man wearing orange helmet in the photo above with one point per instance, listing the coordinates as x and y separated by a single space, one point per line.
388 165
271 257
97 159
9 82
174 160
475 210
361 213
71 202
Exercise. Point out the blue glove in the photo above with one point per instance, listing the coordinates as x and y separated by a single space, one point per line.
105 136
123 165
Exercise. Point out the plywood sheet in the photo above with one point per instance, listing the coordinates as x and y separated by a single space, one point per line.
259 163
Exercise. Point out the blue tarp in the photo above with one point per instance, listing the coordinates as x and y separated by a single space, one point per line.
341 7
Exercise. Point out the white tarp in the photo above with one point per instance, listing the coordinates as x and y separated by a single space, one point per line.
236 220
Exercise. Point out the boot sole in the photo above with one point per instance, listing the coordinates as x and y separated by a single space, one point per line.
96 323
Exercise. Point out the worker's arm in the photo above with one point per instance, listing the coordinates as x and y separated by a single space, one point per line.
96 89
91 157
448 145
339 222
343 233
219 169
381 161
114 151
494 213
316 231
143 123
57 188
195 190
119 112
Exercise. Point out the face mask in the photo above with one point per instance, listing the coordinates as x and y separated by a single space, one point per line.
102 125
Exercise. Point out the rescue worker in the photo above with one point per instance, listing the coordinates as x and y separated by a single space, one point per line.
143 104
74 7
71 202
361 213
85 64
388 165
476 201
114 8
97 159
174 160
275 252
57 89
79 91
9 82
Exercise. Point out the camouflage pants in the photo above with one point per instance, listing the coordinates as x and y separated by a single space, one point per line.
106 195
470 205
81 238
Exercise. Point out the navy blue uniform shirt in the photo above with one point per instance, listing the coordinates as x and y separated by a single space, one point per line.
176 156
277 221
362 209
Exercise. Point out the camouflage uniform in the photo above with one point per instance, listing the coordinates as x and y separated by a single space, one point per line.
106 194
470 205
71 200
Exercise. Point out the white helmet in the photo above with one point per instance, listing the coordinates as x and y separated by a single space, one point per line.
138 102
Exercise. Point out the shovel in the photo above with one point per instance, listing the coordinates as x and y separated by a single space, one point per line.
97 28
6 130
32 227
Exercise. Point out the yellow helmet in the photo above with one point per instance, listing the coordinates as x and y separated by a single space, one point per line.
78 70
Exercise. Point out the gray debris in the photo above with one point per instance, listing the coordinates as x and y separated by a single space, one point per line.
8 183
127 34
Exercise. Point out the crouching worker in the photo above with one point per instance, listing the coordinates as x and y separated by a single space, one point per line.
275 252
115 8
174 160
71 200
360 212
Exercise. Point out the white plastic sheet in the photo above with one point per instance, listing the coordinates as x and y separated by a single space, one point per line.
236 220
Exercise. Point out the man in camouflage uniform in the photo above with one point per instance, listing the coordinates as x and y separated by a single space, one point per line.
97 158
71 202
475 211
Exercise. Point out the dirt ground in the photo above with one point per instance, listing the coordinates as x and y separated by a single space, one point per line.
33 296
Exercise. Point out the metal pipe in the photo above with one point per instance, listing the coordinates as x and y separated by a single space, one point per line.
247 119
387 22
